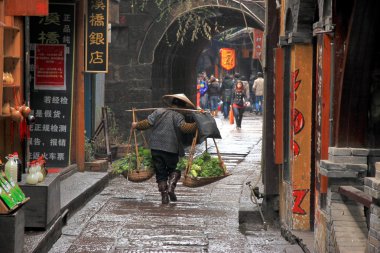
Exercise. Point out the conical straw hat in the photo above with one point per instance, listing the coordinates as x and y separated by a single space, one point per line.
168 100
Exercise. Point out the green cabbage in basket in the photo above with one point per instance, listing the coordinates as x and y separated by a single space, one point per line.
129 161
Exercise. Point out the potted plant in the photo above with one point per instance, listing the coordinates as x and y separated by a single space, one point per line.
89 152
91 163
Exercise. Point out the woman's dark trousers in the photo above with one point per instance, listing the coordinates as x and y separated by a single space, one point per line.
165 164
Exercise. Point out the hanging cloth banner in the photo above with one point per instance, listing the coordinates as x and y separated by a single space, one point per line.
227 58
258 44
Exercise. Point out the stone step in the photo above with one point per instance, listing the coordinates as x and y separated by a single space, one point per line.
77 188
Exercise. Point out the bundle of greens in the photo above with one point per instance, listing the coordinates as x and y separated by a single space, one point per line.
182 164
129 162
202 166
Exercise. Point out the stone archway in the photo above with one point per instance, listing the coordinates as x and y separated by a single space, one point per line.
174 67
142 65
158 28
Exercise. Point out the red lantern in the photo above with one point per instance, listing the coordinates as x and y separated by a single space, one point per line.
227 58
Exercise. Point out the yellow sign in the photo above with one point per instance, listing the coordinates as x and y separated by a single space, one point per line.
227 58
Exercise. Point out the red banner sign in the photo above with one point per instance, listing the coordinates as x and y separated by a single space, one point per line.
49 67
26 7
227 58
258 43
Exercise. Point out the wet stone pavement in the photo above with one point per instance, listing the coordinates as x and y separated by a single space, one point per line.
129 217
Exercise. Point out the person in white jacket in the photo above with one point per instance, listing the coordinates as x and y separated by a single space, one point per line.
258 89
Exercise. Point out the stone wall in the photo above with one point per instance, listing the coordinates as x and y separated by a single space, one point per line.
128 84
344 219
372 187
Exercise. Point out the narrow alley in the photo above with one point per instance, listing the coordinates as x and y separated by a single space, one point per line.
129 217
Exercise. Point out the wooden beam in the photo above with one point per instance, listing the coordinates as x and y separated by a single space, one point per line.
356 195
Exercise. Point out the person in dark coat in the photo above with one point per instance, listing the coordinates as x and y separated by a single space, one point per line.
226 91
165 142
214 94
238 103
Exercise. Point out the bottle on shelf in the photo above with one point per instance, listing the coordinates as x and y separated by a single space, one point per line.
6 109
39 172
32 177
11 168
20 169
41 161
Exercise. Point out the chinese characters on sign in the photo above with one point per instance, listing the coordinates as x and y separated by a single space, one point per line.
52 62
227 58
96 36
50 122
258 44
49 68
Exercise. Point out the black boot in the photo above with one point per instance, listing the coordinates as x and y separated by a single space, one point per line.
173 179
163 188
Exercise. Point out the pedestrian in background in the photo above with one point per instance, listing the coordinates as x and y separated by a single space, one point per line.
238 103
204 91
165 142
246 87
226 92
251 92
214 95
258 89
235 78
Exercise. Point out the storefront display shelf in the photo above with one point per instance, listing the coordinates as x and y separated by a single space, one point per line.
12 28
5 210
45 204
5 116
11 57
11 86
12 232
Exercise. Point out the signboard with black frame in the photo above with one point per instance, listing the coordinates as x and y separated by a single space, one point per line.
52 50
96 60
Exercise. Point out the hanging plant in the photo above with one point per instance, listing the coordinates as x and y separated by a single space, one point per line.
192 24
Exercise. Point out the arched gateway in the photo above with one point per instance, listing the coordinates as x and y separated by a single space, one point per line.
147 61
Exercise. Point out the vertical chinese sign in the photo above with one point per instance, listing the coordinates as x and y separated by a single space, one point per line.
96 36
52 63
227 58
258 44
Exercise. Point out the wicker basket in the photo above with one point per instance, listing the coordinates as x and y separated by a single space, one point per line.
201 181
138 175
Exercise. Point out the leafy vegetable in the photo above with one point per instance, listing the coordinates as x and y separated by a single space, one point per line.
182 163
202 166
129 162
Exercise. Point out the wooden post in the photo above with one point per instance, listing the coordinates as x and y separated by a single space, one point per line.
1 54
78 126
271 171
